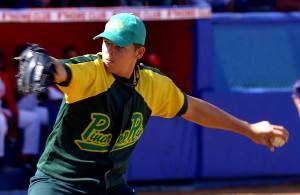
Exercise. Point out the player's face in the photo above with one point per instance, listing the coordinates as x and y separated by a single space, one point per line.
119 60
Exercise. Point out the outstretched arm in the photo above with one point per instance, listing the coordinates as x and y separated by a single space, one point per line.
206 114
60 72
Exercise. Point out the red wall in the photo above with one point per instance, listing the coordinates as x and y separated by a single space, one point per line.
171 40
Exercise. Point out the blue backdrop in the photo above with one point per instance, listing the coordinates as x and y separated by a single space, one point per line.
245 64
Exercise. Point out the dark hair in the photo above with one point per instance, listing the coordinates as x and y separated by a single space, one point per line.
18 50
68 49
137 46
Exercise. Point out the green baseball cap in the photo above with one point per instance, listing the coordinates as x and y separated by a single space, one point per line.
124 29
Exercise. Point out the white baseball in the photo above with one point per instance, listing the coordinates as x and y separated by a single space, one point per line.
277 141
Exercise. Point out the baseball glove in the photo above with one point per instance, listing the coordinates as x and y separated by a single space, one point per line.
36 70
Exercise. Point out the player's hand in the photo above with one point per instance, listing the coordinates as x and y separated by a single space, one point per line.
263 131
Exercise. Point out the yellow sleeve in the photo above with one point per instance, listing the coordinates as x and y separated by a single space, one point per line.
87 79
160 93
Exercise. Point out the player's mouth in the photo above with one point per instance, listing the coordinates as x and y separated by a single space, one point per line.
108 61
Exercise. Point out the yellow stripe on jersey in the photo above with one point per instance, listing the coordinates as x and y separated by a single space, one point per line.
162 96
88 79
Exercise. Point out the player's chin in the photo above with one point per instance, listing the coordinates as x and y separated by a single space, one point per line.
107 64
109 68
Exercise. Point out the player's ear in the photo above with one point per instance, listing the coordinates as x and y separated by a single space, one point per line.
140 52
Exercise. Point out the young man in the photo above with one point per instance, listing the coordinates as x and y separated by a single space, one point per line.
109 98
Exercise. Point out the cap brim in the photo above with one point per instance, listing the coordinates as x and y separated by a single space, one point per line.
114 38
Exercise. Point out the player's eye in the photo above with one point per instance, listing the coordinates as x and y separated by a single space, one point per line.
107 43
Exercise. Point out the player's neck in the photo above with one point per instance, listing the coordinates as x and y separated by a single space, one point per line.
132 80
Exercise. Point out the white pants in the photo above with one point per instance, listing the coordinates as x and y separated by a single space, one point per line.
43 114
30 123
3 132
31 118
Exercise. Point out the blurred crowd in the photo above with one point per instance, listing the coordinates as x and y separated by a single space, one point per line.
25 119
217 5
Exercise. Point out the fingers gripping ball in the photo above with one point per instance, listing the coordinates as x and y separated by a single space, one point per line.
36 70
277 141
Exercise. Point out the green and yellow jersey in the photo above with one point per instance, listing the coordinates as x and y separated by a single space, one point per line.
101 119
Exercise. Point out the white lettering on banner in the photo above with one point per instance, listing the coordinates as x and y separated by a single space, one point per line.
153 14
180 13
71 16
25 16
96 16
101 14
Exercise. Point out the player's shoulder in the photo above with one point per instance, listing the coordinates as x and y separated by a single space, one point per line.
153 76
81 59
150 70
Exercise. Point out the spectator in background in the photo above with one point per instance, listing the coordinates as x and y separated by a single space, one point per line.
20 119
69 52
3 125
7 96
296 95
151 59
